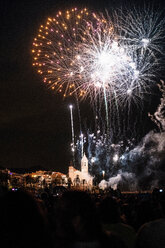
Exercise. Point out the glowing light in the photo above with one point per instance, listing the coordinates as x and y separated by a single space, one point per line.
106 59
129 91
145 42
81 69
136 73
78 57
93 160
103 172
122 157
115 158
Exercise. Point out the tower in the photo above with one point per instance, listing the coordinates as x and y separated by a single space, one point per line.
84 165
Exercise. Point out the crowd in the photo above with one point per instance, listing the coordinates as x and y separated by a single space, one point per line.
77 219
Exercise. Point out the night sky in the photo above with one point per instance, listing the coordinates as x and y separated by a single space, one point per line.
34 122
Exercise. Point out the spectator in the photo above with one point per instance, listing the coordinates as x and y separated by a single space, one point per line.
151 235
22 224
111 221
78 225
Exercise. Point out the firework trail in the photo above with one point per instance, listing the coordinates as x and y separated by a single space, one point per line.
72 127
82 144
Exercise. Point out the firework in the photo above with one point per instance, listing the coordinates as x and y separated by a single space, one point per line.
113 57
109 59
103 154
123 56
56 47
143 28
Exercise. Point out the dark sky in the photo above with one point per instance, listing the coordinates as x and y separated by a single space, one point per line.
34 123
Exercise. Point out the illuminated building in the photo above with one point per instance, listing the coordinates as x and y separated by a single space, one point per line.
81 178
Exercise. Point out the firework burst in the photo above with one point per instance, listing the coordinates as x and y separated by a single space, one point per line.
79 51
109 59
56 47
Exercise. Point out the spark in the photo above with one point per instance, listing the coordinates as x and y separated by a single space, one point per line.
145 42
93 160
115 158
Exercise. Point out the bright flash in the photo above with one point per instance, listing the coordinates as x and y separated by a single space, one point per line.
115 158
145 42
93 159
122 157
106 59
136 73
129 91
